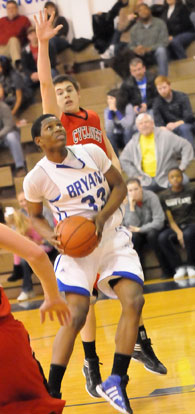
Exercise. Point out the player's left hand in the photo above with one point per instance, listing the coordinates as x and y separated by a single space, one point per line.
99 223
58 306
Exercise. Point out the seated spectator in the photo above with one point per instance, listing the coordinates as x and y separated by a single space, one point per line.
103 26
14 91
151 153
23 225
144 217
139 88
59 42
179 205
13 32
180 28
149 39
118 121
172 109
29 58
10 137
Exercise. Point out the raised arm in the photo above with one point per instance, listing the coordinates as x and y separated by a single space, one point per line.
45 31
42 267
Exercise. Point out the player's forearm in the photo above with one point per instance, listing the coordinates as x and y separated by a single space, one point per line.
114 201
43 64
42 226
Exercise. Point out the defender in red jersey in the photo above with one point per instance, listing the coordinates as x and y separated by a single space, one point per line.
23 387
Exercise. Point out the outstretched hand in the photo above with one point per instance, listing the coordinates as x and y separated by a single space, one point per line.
44 26
57 306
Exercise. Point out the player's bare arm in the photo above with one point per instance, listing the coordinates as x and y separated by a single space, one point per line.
117 195
111 154
45 31
42 267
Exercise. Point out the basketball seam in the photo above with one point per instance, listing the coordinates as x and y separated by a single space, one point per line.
80 245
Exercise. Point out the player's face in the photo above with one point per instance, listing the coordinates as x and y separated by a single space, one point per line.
164 89
145 126
53 134
137 71
134 191
175 178
67 97
12 11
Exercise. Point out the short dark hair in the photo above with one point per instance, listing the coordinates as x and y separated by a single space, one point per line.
133 180
175 168
66 78
36 127
135 61
11 2
113 92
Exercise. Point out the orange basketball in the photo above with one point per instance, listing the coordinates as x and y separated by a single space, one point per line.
77 236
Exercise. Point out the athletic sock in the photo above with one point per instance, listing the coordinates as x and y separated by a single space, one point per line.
142 335
90 349
56 374
120 364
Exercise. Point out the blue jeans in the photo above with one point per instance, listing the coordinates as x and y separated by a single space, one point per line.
12 141
179 43
162 60
185 131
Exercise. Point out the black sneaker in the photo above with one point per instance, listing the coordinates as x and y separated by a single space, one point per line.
144 353
91 371
114 391
55 394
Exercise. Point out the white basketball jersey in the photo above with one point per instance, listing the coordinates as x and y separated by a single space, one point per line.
83 190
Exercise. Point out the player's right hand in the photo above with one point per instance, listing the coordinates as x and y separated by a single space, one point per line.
44 26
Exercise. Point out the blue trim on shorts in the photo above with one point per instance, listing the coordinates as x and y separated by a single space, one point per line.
129 275
72 289
57 262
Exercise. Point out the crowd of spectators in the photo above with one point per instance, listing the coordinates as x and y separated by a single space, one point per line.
149 124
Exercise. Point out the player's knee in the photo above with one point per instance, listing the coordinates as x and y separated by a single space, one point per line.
79 315
134 303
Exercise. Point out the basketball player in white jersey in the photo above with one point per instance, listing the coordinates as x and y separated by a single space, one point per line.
80 180
63 100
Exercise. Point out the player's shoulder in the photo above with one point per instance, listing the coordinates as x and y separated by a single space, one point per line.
37 172
92 113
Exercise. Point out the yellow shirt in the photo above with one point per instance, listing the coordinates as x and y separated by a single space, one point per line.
147 145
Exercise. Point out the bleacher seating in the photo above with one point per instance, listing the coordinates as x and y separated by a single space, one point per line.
94 86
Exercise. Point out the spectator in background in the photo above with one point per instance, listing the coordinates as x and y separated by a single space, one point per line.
13 32
172 109
103 27
10 137
180 28
144 217
139 88
29 58
59 41
23 225
149 39
14 91
152 152
178 202
118 121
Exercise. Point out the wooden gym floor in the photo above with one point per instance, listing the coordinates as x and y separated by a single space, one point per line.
169 316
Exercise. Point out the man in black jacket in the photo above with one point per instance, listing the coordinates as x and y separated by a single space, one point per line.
172 110
139 88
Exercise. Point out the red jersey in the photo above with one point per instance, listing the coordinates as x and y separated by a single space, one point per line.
83 128
22 387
